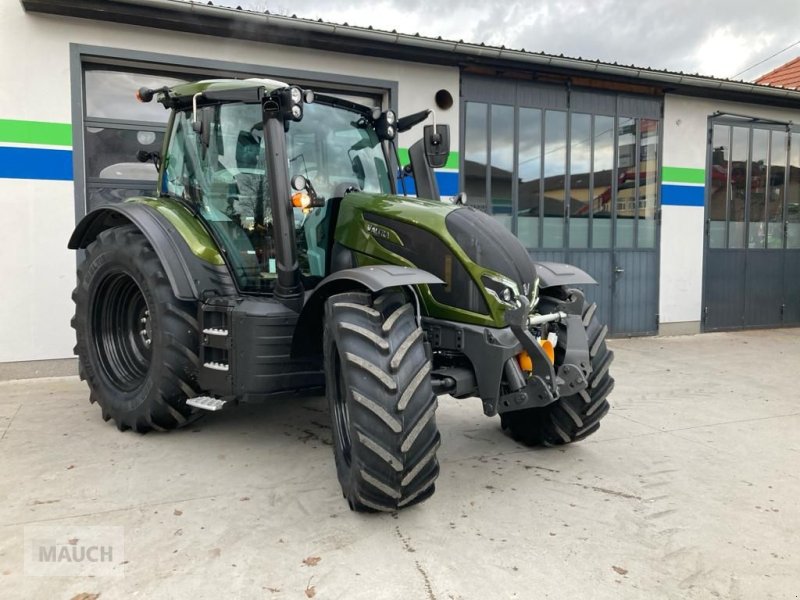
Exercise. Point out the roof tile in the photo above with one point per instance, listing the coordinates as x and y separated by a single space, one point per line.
786 76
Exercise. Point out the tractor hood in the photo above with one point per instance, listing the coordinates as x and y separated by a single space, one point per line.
470 251
488 244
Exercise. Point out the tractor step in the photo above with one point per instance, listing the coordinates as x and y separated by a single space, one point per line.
217 366
215 331
206 403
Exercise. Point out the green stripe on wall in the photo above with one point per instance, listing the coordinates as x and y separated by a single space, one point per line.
35 132
452 160
683 175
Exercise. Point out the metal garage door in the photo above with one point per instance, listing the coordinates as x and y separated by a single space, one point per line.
752 257
574 174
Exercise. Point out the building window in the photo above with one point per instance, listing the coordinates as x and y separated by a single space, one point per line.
116 127
563 178
751 201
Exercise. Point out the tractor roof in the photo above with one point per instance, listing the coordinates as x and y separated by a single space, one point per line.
222 85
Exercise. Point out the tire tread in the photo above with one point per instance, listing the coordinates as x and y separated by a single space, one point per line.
390 400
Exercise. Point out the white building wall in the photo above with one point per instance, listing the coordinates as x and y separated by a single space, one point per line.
682 223
36 269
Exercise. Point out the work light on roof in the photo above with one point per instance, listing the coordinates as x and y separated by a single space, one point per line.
296 95
385 124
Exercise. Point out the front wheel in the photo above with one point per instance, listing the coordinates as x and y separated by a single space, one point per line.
570 418
381 401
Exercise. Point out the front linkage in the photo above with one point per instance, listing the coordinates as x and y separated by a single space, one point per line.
545 385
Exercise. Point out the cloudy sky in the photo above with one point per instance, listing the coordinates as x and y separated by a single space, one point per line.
711 37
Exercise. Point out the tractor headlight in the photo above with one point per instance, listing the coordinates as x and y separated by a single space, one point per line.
502 289
391 118
297 112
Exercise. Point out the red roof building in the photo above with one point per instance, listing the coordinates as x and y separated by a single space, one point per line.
785 76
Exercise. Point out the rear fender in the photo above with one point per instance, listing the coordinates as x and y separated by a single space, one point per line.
307 339
190 275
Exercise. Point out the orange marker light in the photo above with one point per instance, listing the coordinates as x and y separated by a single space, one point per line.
301 200
526 362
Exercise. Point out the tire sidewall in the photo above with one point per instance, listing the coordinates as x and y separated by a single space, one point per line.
333 370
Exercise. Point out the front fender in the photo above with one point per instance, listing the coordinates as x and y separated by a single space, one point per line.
307 339
552 274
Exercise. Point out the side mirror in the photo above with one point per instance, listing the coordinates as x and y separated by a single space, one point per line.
437 145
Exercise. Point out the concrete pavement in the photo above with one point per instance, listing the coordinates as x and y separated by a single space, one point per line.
689 490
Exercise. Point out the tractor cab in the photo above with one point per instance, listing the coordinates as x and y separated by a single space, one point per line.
217 162
221 133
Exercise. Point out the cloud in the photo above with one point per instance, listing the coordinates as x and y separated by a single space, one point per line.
717 37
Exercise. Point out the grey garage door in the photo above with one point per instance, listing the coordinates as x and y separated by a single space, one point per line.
574 174
752 257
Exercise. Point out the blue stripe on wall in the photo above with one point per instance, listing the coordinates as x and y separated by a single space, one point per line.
35 163
673 194
447 180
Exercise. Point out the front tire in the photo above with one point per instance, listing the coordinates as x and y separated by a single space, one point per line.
136 343
381 401
570 418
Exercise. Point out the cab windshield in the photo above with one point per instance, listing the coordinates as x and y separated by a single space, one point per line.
222 171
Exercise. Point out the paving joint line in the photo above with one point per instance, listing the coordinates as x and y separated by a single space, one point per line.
10 421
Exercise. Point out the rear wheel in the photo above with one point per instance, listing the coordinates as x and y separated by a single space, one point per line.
136 342
381 401
570 418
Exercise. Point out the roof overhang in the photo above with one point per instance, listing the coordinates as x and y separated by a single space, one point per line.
191 17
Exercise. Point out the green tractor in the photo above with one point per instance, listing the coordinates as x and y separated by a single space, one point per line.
278 259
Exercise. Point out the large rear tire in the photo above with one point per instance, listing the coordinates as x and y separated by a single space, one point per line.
570 418
381 401
136 342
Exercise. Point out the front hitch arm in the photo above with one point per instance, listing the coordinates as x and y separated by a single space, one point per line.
542 385
546 385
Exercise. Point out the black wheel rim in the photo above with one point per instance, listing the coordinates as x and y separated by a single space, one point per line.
341 413
121 330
